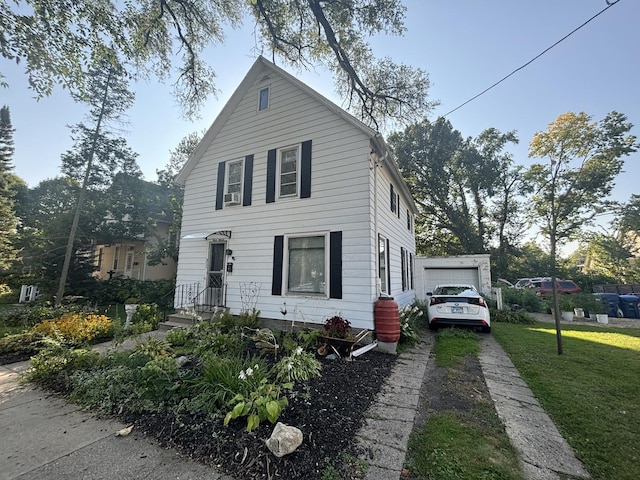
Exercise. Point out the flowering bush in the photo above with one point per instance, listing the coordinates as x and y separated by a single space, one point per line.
337 327
409 315
76 328
299 366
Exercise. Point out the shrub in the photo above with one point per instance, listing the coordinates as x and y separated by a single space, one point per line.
28 315
76 328
300 366
53 366
525 298
27 343
409 316
509 316
222 379
154 348
178 337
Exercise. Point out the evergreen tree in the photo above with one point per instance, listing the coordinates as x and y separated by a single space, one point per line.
8 184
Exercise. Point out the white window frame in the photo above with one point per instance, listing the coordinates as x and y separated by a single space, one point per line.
280 151
383 264
268 90
286 272
228 172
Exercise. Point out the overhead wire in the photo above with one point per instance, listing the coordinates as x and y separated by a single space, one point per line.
609 5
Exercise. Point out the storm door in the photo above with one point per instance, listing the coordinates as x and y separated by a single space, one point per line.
215 280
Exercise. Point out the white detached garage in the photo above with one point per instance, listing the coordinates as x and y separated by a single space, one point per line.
471 269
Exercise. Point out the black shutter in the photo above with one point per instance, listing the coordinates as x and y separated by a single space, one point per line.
305 170
335 265
278 252
392 198
271 176
248 180
220 186
388 268
403 263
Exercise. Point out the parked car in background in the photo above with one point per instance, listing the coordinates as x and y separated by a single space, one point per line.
457 305
544 287
524 282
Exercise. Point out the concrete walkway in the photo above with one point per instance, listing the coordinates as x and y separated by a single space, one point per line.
543 453
46 437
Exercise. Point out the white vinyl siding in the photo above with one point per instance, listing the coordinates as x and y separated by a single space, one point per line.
342 200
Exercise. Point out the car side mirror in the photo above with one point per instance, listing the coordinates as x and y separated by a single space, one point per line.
429 294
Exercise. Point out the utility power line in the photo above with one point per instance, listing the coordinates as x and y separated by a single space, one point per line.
609 5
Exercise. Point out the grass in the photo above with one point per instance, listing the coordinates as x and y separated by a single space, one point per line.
454 343
592 391
461 444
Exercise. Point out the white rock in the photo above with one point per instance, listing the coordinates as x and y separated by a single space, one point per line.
284 439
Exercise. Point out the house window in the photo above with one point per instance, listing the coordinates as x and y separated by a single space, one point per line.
306 265
288 171
234 177
383 260
100 255
116 256
263 99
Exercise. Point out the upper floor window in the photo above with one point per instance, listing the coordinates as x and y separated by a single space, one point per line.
234 177
263 99
288 165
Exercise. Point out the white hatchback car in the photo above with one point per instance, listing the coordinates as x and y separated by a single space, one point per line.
458 304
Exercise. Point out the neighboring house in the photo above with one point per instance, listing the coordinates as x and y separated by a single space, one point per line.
130 246
128 258
291 204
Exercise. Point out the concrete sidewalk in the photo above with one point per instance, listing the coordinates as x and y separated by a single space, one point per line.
45 437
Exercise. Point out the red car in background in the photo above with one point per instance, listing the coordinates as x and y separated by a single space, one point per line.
544 287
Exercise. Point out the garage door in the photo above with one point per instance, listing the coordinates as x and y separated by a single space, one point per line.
437 276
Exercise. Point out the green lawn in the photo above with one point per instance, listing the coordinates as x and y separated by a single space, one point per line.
592 391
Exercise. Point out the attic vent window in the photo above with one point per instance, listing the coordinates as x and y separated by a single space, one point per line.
263 99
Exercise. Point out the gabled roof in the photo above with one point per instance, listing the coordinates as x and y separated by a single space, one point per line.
262 67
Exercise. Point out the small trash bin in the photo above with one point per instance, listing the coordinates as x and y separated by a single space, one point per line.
610 301
629 306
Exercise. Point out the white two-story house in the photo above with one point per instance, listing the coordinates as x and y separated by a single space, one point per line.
291 204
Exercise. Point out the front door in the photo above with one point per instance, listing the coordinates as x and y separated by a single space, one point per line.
216 275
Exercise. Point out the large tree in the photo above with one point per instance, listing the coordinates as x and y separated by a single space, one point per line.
98 153
456 183
55 39
8 185
582 160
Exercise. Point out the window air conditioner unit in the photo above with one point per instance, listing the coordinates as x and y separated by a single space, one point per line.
232 199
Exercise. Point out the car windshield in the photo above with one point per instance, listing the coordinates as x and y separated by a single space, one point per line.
462 290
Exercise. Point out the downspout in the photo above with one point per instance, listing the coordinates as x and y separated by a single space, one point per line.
375 163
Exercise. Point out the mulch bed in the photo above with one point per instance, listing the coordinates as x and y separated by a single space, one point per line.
329 410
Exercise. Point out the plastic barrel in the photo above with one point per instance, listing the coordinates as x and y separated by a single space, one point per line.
386 317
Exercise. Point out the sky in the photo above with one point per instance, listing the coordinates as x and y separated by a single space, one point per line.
464 45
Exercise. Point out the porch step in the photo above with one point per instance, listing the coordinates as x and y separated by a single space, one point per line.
181 320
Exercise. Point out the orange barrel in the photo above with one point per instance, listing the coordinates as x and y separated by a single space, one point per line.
386 318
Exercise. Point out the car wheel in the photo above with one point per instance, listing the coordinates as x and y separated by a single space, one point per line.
486 329
432 326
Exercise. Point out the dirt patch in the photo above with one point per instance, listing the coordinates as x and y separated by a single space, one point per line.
458 388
